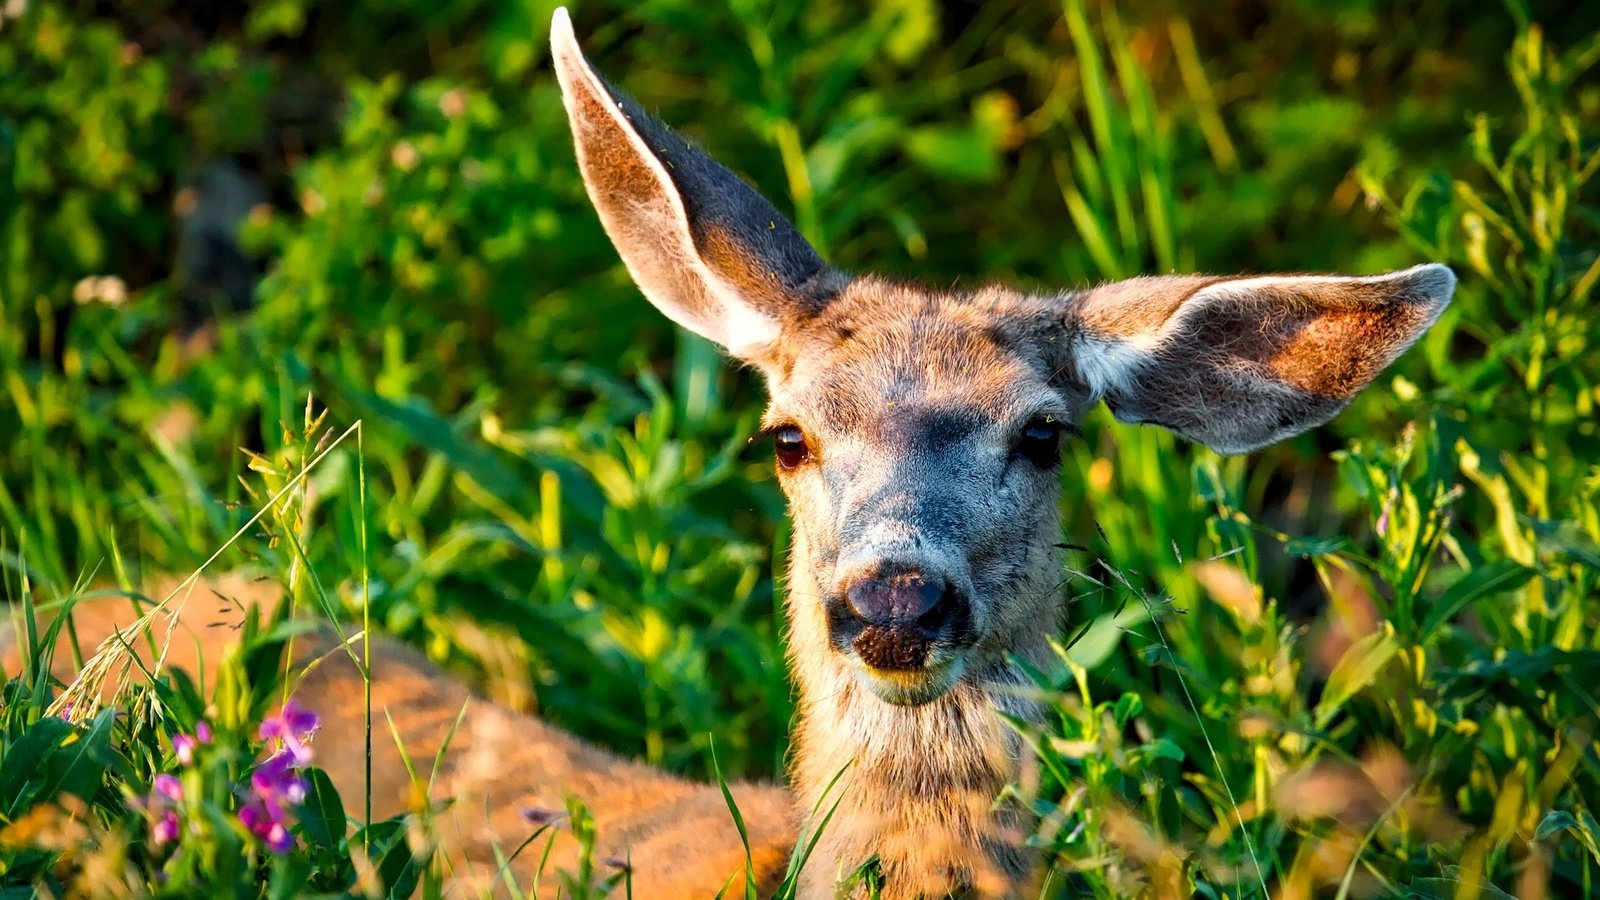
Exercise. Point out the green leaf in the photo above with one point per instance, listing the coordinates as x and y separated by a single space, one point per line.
77 766
1496 578
1314 546
959 154
1568 537
1128 706
8 160
1553 822
289 875
738 823
1100 638
322 816
22 760
1517 674
1164 748
915 26
1589 831
1354 671
968 153
397 869
1448 887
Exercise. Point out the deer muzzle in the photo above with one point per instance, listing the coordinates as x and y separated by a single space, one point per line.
893 618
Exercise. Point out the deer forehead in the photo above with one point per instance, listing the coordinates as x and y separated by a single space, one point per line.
902 364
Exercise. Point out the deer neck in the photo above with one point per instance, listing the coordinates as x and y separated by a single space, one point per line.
916 785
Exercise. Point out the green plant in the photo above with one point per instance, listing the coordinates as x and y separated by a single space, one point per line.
554 497
1428 735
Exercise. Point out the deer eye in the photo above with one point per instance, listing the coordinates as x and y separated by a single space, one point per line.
789 443
1039 442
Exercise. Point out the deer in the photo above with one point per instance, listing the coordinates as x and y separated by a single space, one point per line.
917 436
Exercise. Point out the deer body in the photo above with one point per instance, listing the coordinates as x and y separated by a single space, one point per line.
503 774
917 439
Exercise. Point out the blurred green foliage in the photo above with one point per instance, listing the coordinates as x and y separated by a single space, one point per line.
558 488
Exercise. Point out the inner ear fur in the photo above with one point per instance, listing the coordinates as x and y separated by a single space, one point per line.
704 247
1240 363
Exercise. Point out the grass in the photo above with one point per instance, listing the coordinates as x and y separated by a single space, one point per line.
1355 665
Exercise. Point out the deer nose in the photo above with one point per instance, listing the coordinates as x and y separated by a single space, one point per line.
895 617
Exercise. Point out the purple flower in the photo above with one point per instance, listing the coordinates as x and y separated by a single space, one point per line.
166 794
253 815
278 838
264 818
291 728
165 829
169 787
278 777
276 784
186 744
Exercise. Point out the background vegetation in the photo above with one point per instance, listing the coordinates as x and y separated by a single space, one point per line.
1358 664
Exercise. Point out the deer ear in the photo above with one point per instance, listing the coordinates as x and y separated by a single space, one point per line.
706 249
1239 363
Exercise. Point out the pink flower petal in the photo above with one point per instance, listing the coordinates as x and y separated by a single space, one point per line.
165 830
169 787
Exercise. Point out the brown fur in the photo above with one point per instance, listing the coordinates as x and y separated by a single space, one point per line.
678 836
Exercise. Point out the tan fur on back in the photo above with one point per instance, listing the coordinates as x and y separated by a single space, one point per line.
678 836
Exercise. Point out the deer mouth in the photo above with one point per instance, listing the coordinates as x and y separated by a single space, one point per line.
901 664
911 687
904 660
